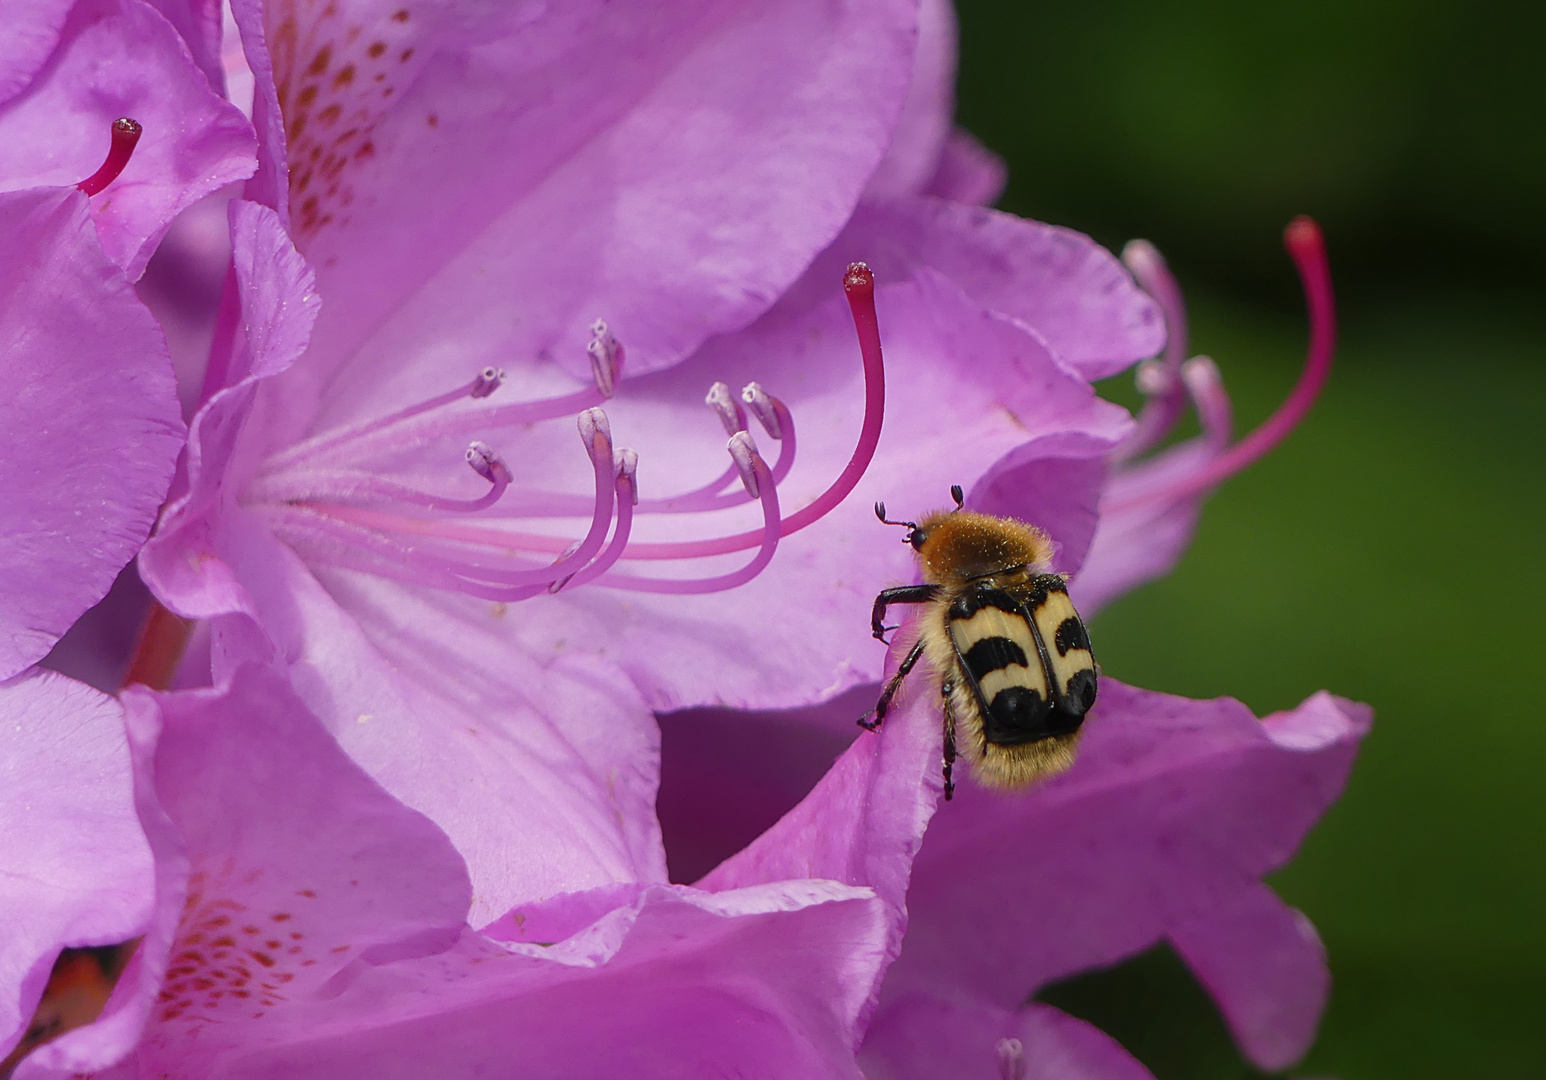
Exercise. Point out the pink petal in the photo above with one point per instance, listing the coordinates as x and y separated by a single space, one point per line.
757 983
1174 810
968 172
32 30
122 58
863 823
921 133
279 865
543 770
1265 967
1057 282
924 1038
671 169
74 869
89 430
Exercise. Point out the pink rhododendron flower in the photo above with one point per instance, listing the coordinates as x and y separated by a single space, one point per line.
385 522
332 523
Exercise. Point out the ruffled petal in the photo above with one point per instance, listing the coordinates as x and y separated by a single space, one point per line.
74 869
118 58
309 925
89 429
1265 967
760 983
279 866
182 563
1059 283
925 1038
1174 810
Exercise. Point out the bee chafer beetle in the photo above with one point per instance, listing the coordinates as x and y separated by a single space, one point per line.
1016 671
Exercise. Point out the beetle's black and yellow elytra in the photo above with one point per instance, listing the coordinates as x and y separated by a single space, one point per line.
1016 672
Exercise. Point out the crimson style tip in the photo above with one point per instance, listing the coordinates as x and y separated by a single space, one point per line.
1302 236
125 136
859 278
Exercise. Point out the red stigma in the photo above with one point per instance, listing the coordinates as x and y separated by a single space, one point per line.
859 282
126 135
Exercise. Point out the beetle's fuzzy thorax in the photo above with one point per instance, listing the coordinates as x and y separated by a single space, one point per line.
960 546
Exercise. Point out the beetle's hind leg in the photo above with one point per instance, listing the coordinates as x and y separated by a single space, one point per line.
892 686
946 689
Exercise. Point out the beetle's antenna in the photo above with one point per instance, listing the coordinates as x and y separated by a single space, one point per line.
880 512
958 495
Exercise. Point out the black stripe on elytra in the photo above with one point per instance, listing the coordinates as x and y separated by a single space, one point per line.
1071 635
991 654
978 597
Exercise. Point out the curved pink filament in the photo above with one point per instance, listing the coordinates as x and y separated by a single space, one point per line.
1307 247
770 534
713 496
312 487
859 284
1160 411
614 551
320 444
601 520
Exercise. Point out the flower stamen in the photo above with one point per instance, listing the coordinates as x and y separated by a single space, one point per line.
1307 247
354 518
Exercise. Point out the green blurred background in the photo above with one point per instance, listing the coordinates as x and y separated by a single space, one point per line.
1391 550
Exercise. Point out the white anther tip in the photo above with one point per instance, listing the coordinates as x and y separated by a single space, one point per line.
1011 1059
606 357
1200 372
487 463
1153 377
1141 258
625 464
726 408
596 431
744 453
487 381
765 408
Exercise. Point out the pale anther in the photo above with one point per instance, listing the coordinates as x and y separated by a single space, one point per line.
744 453
625 464
606 357
1153 377
729 411
487 463
487 381
596 432
764 408
1011 1059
